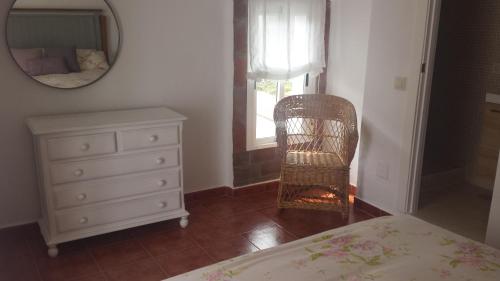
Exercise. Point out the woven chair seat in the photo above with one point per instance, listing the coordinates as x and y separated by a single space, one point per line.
314 159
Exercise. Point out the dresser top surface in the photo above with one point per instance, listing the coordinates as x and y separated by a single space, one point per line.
100 120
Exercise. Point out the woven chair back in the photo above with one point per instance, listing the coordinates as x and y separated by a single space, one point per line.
317 124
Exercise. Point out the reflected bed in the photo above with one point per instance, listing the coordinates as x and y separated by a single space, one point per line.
71 80
78 37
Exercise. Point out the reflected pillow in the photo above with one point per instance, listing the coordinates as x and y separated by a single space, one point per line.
90 59
69 55
45 66
22 56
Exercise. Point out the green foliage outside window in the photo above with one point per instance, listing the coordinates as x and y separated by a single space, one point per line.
268 86
271 86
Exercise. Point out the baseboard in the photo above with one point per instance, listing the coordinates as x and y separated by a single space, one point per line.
267 186
15 224
370 208
443 179
256 184
216 191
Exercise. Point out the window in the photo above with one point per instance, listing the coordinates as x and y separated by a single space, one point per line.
263 96
285 45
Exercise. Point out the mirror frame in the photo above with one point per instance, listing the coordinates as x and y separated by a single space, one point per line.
117 56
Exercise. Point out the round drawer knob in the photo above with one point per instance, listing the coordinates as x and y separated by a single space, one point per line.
154 138
160 161
162 183
78 173
85 147
81 197
84 220
162 205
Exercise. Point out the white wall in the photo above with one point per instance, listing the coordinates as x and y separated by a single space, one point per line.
177 53
395 49
349 34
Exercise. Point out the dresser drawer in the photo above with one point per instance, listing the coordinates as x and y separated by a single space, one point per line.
86 217
113 166
150 137
78 194
79 146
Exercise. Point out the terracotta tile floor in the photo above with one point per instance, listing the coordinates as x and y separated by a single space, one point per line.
220 227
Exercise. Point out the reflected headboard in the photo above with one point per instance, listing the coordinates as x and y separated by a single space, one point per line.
48 28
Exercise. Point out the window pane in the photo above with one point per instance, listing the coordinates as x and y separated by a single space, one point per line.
267 97
294 86
267 86
268 93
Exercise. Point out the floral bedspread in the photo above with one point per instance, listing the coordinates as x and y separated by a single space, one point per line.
388 248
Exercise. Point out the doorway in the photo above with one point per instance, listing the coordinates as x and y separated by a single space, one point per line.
459 147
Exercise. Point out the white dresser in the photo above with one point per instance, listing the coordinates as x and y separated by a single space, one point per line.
106 171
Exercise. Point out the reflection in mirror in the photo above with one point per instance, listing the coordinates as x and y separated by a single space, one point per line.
63 44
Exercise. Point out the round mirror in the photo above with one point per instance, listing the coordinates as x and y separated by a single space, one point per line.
63 44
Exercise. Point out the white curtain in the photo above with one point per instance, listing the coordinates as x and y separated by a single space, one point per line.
286 38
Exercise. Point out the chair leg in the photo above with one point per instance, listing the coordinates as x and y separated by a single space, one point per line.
345 203
279 200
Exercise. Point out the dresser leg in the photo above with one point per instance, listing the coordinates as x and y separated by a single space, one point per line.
184 222
53 251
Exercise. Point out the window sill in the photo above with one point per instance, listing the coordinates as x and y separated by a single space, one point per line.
252 147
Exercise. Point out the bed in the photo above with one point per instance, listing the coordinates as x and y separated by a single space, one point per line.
386 248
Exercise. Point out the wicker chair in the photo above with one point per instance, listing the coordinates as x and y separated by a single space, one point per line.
317 138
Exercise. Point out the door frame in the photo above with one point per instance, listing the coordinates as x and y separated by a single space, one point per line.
410 198
493 228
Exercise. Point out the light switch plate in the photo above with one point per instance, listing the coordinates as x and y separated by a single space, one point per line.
400 83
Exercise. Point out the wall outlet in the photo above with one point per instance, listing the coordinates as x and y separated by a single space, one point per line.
400 83
383 170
